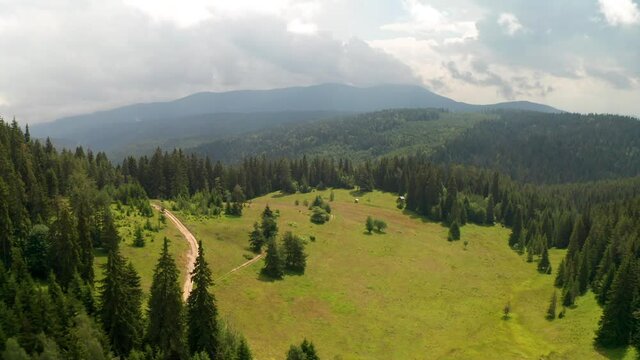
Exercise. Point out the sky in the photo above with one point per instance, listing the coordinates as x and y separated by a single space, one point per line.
66 57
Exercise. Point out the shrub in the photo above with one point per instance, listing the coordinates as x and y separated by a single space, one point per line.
319 215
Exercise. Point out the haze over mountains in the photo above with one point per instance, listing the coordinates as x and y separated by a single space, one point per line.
207 116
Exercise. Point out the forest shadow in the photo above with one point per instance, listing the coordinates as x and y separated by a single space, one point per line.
266 278
614 354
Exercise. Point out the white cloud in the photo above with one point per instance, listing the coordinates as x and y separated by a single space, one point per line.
427 21
620 12
509 23
298 26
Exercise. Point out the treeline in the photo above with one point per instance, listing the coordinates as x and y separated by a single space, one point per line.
357 137
550 148
54 211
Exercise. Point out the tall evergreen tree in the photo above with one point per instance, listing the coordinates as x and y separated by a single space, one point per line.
551 311
617 319
202 314
517 229
544 266
121 300
295 258
490 211
256 238
273 263
65 252
165 330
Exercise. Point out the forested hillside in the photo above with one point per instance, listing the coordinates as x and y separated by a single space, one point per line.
528 146
358 137
550 148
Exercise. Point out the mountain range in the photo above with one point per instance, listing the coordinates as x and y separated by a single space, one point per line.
207 116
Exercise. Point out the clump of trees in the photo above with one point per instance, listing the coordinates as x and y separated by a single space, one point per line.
372 224
264 231
305 351
288 257
320 210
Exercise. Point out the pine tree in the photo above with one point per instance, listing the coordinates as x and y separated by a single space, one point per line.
544 266
269 224
454 231
309 350
570 293
295 258
551 311
165 324
617 318
273 264
202 314
490 211
138 237
256 238
243 352
562 268
516 231
65 251
109 237
369 224
121 300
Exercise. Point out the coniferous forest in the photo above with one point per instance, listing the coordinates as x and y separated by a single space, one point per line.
55 214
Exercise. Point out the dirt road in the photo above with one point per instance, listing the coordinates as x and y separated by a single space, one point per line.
193 249
193 252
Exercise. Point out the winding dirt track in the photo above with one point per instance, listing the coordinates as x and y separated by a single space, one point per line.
193 252
191 255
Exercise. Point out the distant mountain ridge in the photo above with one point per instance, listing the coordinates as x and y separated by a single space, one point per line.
323 100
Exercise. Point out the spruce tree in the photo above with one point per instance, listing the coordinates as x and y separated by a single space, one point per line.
295 258
617 318
454 231
256 238
243 352
273 264
369 224
202 314
490 220
517 229
138 237
121 300
544 266
309 350
551 311
165 328
65 252
269 224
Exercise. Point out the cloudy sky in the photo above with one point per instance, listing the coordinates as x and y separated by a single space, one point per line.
63 57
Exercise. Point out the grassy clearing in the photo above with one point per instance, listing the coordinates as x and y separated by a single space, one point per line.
407 293
144 259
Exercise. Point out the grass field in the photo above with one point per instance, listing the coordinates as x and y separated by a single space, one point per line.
405 294
144 259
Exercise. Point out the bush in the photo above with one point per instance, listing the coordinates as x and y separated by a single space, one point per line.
319 215
380 225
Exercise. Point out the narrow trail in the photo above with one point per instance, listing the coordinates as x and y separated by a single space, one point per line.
193 252
193 249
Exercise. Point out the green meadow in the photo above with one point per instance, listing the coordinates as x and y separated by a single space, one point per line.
144 258
407 293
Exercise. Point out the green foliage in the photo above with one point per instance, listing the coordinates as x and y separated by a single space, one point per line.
295 258
319 215
454 231
165 328
256 239
304 351
202 333
380 225
369 224
138 239
121 300
551 311
273 261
